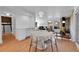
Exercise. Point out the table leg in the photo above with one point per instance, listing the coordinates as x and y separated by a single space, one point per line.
36 44
30 45
51 46
56 44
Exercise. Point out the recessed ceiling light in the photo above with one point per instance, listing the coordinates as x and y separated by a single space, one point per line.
63 21
7 14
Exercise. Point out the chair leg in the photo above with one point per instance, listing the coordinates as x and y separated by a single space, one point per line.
36 44
30 45
3 28
56 45
51 46
11 27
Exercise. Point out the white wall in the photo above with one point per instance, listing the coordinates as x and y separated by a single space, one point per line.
73 24
0 32
72 28
24 25
24 21
77 25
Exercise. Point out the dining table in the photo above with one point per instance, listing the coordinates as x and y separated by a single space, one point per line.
42 40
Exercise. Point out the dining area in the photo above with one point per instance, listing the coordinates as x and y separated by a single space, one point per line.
45 37
45 41
41 40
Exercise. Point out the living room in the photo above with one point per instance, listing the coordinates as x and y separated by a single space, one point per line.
39 28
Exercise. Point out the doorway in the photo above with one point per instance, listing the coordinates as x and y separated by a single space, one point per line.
6 23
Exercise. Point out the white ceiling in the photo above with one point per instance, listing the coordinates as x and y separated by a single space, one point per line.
56 11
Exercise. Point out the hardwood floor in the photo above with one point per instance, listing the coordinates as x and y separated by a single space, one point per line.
10 44
66 45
